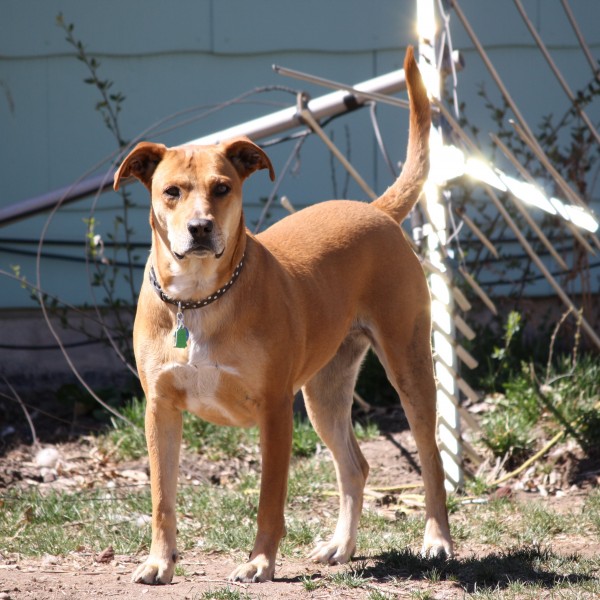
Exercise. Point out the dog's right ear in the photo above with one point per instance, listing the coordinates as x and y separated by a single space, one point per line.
141 162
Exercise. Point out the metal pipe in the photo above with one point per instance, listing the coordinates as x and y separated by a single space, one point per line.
519 235
490 67
556 71
531 139
309 119
527 176
65 195
558 178
580 38
322 107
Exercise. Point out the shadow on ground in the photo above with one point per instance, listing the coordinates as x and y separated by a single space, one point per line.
531 566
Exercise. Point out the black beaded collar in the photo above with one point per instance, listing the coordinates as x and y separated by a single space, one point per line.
185 305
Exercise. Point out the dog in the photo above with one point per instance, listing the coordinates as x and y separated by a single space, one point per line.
230 326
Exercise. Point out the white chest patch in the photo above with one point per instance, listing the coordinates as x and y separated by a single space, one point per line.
201 377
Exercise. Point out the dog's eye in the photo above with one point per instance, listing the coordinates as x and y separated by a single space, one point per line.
173 192
221 189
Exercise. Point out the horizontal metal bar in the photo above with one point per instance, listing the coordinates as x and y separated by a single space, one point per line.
272 124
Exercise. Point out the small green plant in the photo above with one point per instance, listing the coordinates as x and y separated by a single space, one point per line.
530 410
421 595
310 584
125 440
503 364
226 593
110 272
352 577
305 441
366 431
379 595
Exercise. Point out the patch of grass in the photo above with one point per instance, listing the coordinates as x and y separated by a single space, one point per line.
300 535
592 510
305 441
225 593
421 595
352 577
309 479
569 400
379 595
376 531
127 441
219 519
540 524
310 584
214 441
218 441
368 430
508 427
58 523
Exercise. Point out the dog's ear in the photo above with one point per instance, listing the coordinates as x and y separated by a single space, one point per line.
247 157
141 162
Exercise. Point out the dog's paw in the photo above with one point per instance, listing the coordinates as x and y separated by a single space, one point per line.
332 552
154 571
255 571
437 548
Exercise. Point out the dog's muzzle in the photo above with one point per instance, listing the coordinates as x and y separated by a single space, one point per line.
202 240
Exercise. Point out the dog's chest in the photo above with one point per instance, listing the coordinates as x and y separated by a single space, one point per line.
213 390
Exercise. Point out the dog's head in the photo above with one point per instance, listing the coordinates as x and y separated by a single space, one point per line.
196 191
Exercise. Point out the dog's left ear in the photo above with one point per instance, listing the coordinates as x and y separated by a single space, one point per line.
247 157
141 162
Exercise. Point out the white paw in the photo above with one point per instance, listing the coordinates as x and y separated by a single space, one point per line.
439 548
155 571
332 552
255 571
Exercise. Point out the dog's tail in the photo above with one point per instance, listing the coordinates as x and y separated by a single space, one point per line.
398 200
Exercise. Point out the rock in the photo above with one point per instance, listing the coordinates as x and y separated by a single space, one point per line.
106 555
47 457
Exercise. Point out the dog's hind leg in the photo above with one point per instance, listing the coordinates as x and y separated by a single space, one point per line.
328 398
404 349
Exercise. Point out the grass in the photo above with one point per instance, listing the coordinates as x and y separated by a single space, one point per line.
515 540
226 593
58 523
529 411
518 561
214 441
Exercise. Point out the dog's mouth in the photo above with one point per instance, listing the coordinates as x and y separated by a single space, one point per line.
200 251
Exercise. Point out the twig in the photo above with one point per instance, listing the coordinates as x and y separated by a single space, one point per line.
553 340
531 460
24 408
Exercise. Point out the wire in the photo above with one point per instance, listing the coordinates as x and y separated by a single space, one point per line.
293 156
379 139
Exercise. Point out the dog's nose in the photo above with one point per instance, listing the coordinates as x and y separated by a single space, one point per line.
199 227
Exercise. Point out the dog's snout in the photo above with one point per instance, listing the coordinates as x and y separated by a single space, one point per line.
200 227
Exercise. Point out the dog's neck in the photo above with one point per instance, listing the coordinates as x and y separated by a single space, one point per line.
193 278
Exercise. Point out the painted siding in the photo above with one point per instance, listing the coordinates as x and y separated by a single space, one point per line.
205 52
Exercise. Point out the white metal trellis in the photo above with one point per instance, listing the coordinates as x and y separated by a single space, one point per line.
445 358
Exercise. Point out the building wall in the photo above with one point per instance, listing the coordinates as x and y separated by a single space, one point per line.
203 53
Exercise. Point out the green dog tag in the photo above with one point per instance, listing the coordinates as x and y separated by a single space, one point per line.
181 337
181 331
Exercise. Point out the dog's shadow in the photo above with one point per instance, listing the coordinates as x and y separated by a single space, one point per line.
533 566
530 566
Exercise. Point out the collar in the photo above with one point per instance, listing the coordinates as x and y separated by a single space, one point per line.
183 304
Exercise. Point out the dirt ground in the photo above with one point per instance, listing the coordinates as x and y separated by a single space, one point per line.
393 460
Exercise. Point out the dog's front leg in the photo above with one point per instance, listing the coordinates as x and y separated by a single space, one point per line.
163 437
276 446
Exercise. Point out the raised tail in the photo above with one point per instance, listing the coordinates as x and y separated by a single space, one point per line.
398 200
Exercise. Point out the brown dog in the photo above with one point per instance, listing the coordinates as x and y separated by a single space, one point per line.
295 307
